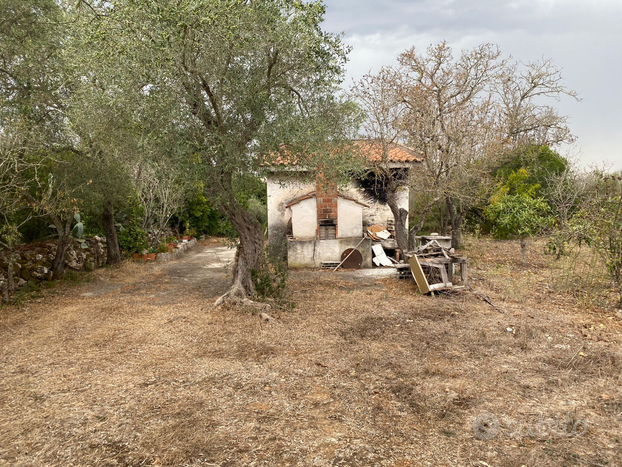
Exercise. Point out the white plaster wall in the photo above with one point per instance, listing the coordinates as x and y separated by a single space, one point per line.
311 253
280 194
350 219
304 219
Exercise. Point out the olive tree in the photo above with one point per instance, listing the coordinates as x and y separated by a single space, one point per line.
238 80
34 83
27 54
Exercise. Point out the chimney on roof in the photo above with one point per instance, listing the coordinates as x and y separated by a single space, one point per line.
326 197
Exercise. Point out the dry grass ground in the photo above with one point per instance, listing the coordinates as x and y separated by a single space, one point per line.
130 370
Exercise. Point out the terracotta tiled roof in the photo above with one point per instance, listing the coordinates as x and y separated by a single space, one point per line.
370 149
284 158
312 195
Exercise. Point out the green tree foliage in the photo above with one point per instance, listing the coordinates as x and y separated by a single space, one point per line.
34 84
31 78
235 80
515 211
29 113
199 215
541 163
132 238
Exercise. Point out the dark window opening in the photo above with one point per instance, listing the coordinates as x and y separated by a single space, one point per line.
328 229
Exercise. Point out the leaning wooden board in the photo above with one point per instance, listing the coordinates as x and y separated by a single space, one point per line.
418 274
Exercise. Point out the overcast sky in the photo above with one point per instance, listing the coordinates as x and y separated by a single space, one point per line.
583 37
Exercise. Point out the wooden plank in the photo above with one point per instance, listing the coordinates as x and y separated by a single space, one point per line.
444 276
418 274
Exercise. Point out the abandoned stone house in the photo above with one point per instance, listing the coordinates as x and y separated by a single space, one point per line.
320 223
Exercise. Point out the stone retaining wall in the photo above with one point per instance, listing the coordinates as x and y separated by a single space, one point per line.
180 250
34 261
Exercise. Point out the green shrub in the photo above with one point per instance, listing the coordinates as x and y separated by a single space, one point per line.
199 215
133 239
514 211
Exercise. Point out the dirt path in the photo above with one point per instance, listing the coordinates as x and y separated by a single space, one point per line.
202 273
70 361
131 370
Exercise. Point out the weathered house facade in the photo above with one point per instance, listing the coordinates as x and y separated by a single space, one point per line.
320 221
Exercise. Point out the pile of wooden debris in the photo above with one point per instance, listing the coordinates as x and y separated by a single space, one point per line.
432 267
432 264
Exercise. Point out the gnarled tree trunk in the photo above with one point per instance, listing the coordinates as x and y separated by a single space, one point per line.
112 242
248 255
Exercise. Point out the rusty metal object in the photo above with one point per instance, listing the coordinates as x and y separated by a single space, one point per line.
352 259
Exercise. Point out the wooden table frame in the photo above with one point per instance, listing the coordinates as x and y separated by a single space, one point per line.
446 267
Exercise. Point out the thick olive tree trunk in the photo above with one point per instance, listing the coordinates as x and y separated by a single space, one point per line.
112 242
248 255
248 258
